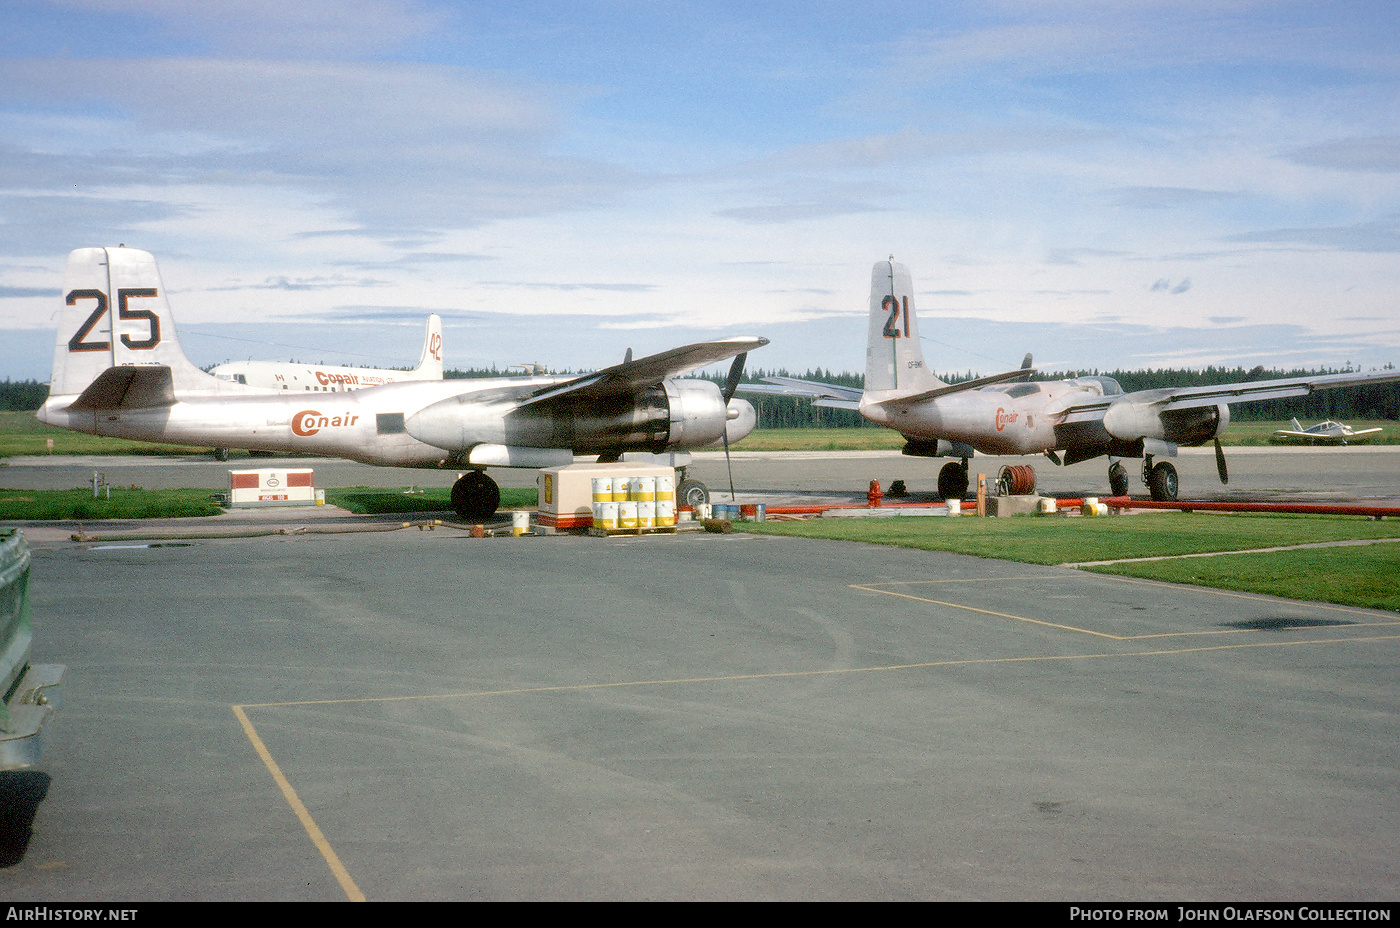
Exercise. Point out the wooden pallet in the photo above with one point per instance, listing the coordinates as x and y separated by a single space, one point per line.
653 530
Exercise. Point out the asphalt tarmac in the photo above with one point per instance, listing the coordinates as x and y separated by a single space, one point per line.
422 715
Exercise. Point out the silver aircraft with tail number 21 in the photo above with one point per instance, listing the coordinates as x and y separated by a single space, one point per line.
119 370
1009 414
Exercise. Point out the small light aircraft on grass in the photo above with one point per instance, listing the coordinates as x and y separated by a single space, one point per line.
119 370
321 378
1008 413
1324 433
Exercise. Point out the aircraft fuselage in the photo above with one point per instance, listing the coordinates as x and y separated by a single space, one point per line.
1015 419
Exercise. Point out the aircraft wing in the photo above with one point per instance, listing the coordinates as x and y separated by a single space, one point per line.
1164 399
630 376
1363 432
827 395
1289 433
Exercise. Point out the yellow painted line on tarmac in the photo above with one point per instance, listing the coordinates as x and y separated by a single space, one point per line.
1097 634
991 612
355 895
342 875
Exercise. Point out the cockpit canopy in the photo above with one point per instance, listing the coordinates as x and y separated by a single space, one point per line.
1108 385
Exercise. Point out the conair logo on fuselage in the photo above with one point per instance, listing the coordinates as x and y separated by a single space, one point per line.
310 421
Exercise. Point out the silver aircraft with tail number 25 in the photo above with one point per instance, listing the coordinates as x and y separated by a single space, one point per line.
1009 414
119 370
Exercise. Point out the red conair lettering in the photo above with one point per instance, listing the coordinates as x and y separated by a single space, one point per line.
310 421
1004 418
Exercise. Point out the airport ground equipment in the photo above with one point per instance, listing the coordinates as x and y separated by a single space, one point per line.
31 691
250 489
569 496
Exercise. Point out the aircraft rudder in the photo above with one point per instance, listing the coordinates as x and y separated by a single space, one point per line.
114 313
430 361
894 356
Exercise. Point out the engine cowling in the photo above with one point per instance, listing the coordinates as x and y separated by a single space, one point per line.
1130 419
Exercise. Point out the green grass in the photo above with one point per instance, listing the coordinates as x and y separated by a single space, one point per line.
21 433
862 439
125 503
1351 575
1258 434
372 501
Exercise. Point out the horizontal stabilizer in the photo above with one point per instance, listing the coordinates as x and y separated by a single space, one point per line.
959 387
630 376
812 389
128 388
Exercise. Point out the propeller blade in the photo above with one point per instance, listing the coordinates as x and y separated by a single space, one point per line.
1220 462
736 373
729 466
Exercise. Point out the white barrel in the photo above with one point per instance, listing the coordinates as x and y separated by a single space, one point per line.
665 511
627 514
519 522
1047 506
605 515
643 489
954 506
1101 509
620 485
646 513
602 489
702 511
665 487
1091 500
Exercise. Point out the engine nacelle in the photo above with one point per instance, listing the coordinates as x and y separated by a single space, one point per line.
698 416
675 415
1195 426
1129 420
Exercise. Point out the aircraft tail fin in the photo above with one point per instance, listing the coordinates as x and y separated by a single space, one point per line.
115 315
894 359
430 361
1297 426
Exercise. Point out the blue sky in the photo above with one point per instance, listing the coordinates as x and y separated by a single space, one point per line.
1118 184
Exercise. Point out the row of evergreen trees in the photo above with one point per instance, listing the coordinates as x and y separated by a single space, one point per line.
1376 401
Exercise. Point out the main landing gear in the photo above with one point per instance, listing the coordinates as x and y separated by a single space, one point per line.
475 496
689 492
1160 479
952 481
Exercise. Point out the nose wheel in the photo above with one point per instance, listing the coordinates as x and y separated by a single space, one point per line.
1118 479
475 496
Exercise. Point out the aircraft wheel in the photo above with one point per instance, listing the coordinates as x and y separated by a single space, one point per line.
1118 479
952 482
692 493
475 496
1162 483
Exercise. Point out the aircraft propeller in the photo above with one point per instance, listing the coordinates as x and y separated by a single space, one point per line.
731 384
1220 463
